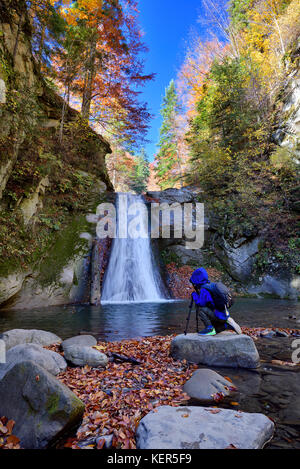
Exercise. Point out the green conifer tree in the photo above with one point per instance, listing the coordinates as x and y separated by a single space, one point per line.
168 168
141 173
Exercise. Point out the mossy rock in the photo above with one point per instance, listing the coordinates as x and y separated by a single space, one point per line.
42 407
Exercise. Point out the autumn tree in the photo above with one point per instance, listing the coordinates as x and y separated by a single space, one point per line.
49 29
192 75
168 164
112 67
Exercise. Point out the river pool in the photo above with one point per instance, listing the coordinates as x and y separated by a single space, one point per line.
272 389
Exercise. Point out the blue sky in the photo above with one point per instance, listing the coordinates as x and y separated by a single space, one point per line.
166 24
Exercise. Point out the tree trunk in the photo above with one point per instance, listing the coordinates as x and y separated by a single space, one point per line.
63 112
89 81
179 166
41 46
17 38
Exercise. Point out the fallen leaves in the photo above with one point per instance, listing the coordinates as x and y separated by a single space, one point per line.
213 411
178 279
7 439
218 396
255 332
281 362
119 396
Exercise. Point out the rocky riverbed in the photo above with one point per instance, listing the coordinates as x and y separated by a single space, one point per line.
109 400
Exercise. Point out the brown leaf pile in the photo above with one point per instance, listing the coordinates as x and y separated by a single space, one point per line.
7 439
255 332
116 398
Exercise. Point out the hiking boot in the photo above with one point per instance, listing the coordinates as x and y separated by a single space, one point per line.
234 326
209 330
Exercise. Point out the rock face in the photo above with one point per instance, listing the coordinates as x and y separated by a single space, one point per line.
81 356
238 258
233 351
171 196
208 386
203 428
10 285
53 278
51 361
187 256
42 407
80 340
32 204
29 336
278 286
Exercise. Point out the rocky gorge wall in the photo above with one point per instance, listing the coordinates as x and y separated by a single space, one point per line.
255 248
48 190
236 260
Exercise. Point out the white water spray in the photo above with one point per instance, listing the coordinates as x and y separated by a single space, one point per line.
132 275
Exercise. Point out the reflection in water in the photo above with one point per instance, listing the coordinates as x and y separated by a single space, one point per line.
122 321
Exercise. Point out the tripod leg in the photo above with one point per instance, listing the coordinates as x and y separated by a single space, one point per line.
187 322
189 317
197 320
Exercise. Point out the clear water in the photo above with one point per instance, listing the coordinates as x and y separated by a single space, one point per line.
131 274
113 322
271 390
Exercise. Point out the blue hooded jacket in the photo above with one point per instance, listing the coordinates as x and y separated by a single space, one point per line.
204 298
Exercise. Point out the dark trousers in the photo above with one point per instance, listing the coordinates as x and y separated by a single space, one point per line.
208 318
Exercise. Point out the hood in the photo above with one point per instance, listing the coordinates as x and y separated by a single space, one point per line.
199 277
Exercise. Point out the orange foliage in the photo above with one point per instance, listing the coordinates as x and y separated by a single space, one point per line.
193 73
111 67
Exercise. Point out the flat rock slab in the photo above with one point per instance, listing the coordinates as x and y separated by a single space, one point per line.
81 340
29 336
228 350
51 361
42 407
203 428
81 356
207 386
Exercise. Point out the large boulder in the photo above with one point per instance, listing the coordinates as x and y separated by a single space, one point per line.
29 336
247 382
228 350
81 356
42 407
51 361
80 340
202 428
208 386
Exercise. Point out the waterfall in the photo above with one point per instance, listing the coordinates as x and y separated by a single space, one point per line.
132 275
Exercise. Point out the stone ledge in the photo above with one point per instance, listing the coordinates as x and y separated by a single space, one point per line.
228 350
203 428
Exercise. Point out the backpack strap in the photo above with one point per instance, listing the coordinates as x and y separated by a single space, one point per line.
206 287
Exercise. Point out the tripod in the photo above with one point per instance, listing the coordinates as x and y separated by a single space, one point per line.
189 317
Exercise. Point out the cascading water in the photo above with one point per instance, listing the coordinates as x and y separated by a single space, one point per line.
132 275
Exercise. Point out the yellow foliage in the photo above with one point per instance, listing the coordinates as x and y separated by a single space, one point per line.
266 39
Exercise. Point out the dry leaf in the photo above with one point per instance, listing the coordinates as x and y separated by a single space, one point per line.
12 439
